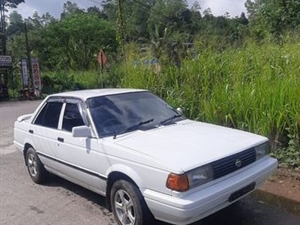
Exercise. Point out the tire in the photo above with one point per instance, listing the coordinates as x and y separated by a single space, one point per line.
128 205
35 167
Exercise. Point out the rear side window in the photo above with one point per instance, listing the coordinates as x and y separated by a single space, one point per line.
72 117
49 116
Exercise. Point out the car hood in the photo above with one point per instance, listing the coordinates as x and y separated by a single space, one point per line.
188 144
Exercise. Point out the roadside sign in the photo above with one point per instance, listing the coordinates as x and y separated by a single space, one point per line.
36 74
5 61
24 73
102 59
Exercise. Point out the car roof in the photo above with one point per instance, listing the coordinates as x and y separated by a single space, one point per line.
86 94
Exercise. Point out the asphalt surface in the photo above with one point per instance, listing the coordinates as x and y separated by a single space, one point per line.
59 202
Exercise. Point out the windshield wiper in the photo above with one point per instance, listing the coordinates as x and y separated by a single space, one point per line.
170 119
133 127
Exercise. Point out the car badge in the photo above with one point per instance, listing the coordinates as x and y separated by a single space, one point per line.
238 163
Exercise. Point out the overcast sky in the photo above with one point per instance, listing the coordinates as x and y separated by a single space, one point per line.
55 7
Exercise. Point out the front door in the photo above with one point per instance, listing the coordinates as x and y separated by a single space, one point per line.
81 159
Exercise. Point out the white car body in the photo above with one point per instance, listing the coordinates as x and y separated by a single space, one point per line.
148 157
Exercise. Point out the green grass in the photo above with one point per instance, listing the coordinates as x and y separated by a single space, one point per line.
255 88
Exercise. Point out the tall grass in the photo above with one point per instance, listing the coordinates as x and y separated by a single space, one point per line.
59 81
254 88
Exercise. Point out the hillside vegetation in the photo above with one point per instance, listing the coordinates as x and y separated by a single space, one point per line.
241 72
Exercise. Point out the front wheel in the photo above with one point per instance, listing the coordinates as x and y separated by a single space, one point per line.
128 205
35 167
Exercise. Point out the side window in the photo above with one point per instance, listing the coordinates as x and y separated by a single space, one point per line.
72 117
49 115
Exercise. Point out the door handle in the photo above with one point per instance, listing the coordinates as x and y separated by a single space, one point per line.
60 139
31 131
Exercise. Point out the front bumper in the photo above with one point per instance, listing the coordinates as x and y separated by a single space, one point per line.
186 208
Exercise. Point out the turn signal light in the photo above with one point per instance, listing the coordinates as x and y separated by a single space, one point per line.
178 182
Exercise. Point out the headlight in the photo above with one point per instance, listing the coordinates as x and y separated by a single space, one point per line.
200 176
262 150
191 179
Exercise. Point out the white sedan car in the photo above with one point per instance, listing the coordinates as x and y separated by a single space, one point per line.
143 155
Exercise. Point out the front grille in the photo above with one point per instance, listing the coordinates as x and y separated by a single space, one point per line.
234 162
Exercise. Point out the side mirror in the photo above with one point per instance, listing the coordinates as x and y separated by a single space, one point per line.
81 132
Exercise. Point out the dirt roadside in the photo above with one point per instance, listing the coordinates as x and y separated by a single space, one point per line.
282 189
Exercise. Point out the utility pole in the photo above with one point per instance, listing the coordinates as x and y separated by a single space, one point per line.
28 56
120 22
4 67
2 28
120 34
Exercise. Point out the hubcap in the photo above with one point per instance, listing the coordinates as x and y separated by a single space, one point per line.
32 165
124 208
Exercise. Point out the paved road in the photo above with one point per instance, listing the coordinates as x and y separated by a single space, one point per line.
59 202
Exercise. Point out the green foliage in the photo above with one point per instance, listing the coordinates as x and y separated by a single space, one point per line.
239 72
80 38
166 14
70 43
254 89
132 19
16 25
290 156
73 42
59 81
70 9
275 17
37 22
12 3
165 26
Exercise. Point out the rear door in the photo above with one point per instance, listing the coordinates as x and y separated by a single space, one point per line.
44 131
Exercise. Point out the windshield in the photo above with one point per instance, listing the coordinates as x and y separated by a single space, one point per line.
114 114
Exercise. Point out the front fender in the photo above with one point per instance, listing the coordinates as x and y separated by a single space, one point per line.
124 169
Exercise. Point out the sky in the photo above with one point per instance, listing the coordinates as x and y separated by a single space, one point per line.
55 7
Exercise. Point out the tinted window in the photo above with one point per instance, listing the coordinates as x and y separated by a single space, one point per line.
49 115
72 117
115 113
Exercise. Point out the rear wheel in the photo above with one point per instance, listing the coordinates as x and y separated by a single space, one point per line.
35 167
128 204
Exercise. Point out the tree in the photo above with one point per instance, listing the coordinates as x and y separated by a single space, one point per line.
12 3
69 43
274 16
166 14
35 31
208 14
96 11
38 22
243 19
72 42
196 18
196 6
3 5
70 9
135 15
110 10
16 24
47 19
15 17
